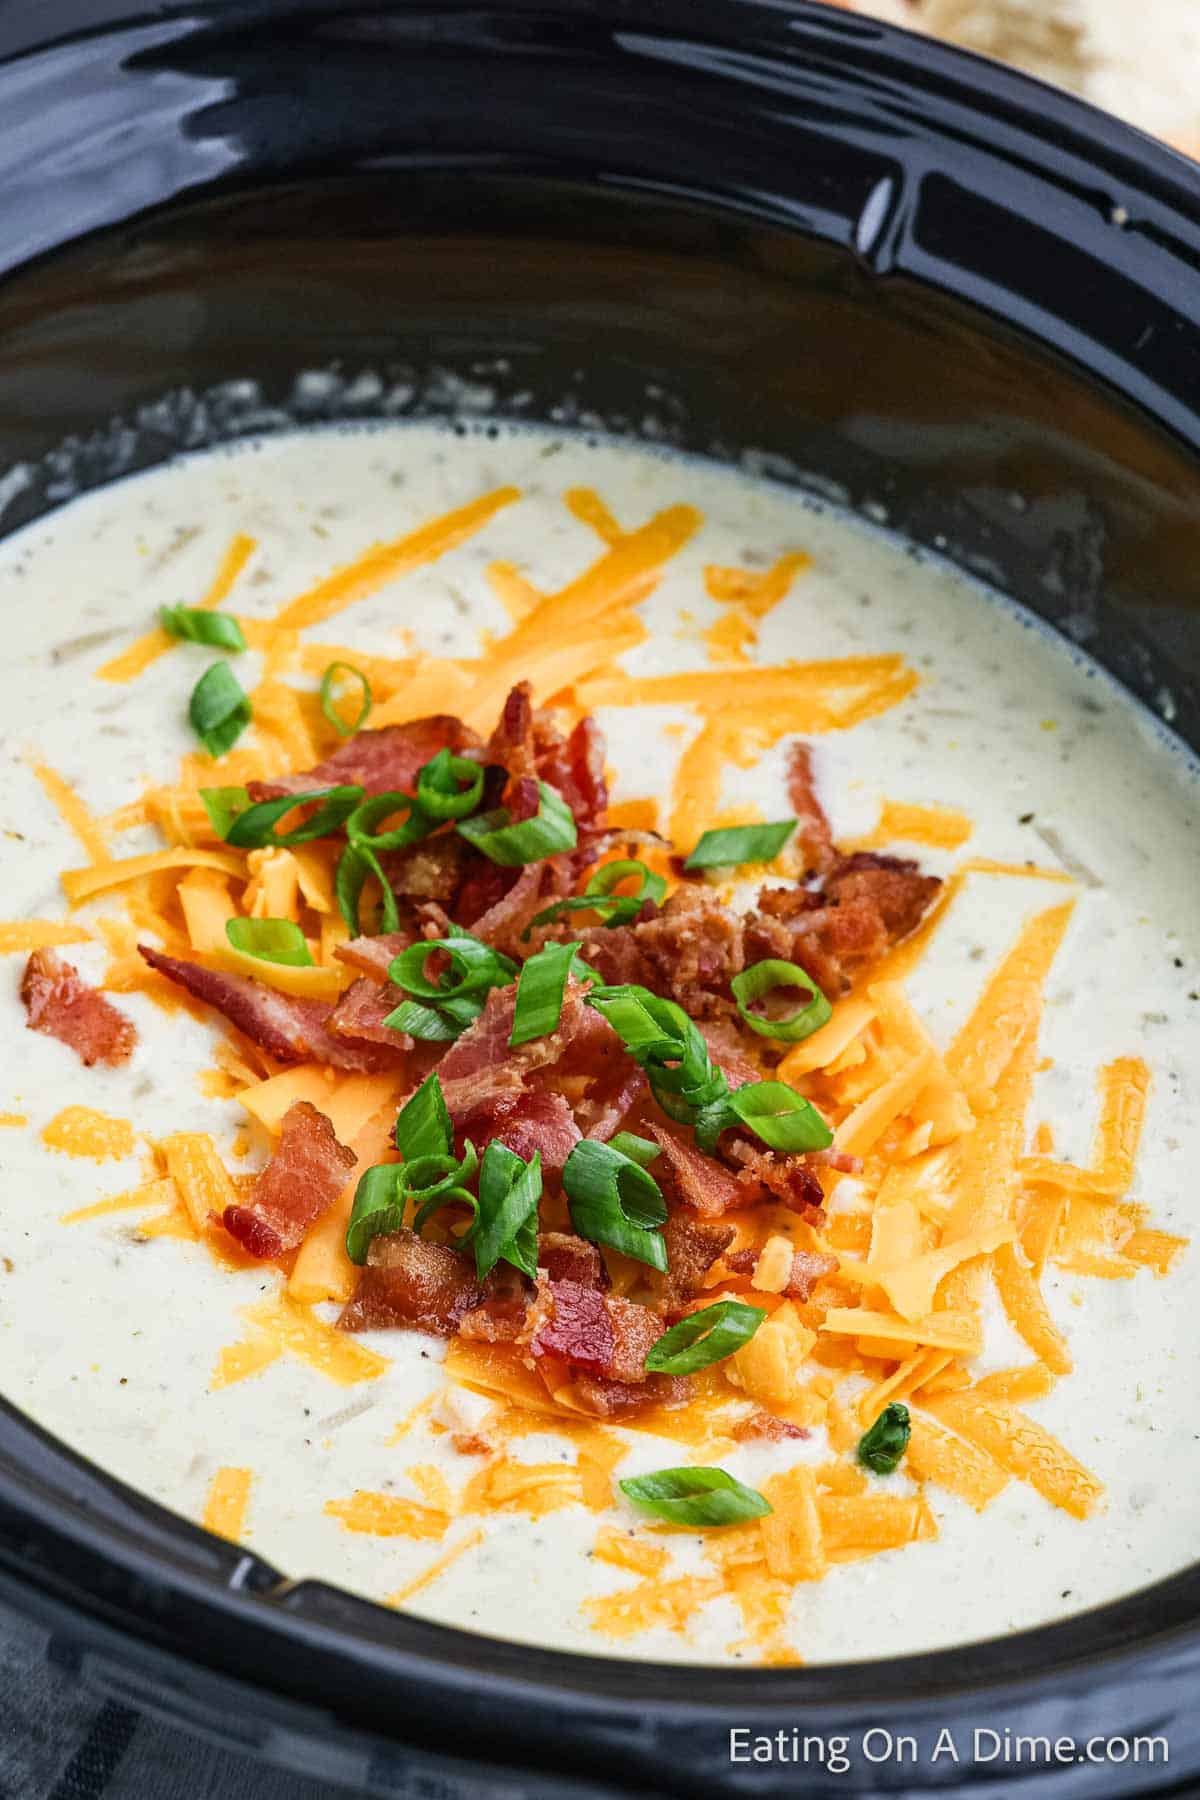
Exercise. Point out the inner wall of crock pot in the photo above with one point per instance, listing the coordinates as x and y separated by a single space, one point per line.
666 323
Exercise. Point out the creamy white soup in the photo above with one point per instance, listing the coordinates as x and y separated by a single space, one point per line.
1010 1086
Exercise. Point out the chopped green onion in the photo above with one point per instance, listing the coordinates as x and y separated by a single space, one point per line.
439 794
475 964
881 1448
506 1227
219 630
551 830
270 940
735 844
704 1337
328 704
449 1195
378 1208
223 805
695 1497
598 896
763 978
638 1149
423 1125
613 1200
356 864
540 989
253 828
218 709
779 1116
434 1025
438 1181
360 826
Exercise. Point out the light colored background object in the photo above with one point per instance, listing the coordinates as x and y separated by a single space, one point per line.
1139 59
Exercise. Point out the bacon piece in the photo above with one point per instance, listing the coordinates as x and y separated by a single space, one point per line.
698 1181
788 1179
380 762
511 1311
566 1257
526 1120
865 904
691 1252
808 1267
302 1180
360 1013
511 744
814 832
288 1029
613 1109
580 1330
481 1064
412 1285
504 921
766 1425
726 1051
607 1399
690 951
373 955
636 1329
60 1004
576 768
431 870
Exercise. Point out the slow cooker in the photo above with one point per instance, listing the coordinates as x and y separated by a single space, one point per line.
903 279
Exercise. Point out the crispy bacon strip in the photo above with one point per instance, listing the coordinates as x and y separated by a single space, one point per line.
360 1013
699 1183
808 1267
380 762
302 1180
580 1329
60 1004
527 1120
566 1257
288 1029
373 955
691 1252
789 1179
412 1285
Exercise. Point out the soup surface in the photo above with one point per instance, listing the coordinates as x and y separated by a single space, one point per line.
1011 1088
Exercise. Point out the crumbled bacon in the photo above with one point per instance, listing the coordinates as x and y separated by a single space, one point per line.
690 950
528 745
360 1013
511 1311
481 1064
526 1120
636 1329
808 1267
608 1111
788 1179
766 1425
691 1252
373 955
412 1285
698 1181
60 1004
288 1029
302 1180
814 832
580 1329
566 1257
606 1399
434 869
865 904
386 761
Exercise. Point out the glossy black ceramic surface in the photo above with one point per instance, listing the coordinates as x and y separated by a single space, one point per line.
896 276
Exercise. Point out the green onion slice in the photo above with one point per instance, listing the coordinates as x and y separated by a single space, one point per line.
506 1226
598 896
218 709
540 989
440 790
360 826
704 1337
423 1125
435 1025
638 1149
329 703
223 804
613 1200
438 1181
551 830
763 978
378 1208
474 968
270 940
735 844
881 1448
253 827
355 866
779 1116
220 631
695 1497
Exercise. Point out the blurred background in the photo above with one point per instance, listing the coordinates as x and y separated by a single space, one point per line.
1138 58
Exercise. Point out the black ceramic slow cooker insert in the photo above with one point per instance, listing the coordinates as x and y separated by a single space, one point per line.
900 278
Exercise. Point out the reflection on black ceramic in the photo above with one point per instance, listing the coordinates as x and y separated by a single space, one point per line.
873 266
